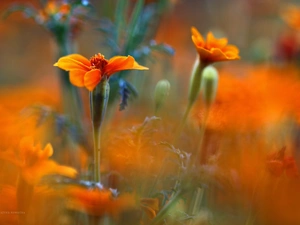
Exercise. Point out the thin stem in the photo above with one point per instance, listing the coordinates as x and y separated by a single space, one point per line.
194 90
197 201
162 213
98 104
202 133
97 153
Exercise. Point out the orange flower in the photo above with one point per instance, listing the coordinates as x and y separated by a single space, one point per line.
213 49
57 9
278 163
34 163
150 206
88 73
291 15
98 202
263 97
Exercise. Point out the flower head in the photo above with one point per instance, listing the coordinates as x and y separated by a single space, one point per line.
34 163
278 163
291 15
213 49
88 73
98 202
54 9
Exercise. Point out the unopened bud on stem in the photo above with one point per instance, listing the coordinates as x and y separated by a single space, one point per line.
209 85
161 92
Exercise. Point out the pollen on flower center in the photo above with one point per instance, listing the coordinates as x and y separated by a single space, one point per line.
98 61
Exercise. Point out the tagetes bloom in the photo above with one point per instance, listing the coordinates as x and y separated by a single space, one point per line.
213 49
34 162
88 73
98 202
291 15
278 163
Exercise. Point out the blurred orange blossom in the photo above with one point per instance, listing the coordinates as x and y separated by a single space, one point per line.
263 97
88 73
291 15
34 163
213 49
54 7
98 202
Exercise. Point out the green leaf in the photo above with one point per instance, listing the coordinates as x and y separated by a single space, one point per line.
120 18
132 26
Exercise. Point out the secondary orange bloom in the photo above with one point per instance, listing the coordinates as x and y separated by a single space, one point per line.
213 49
263 97
291 16
34 163
57 9
98 202
88 73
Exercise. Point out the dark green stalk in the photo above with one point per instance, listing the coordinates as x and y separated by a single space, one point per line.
98 105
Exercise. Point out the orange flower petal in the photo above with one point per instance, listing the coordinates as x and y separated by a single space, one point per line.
137 66
197 37
47 152
91 79
34 173
77 77
212 42
213 49
118 63
73 62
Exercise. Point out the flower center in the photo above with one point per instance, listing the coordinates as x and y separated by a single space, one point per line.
98 62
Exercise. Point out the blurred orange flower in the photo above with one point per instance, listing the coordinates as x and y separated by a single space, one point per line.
88 73
54 8
98 202
150 206
291 15
263 97
213 49
278 163
34 163
8 205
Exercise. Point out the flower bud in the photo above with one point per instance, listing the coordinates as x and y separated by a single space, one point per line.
209 84
195 82
161 92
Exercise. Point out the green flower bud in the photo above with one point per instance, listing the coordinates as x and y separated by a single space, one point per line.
195 82
161 92
209 84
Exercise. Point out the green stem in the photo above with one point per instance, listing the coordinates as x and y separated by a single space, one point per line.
163 212
194 90
202 133
97 153
98 105
198 196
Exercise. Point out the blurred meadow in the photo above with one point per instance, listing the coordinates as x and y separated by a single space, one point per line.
149 112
